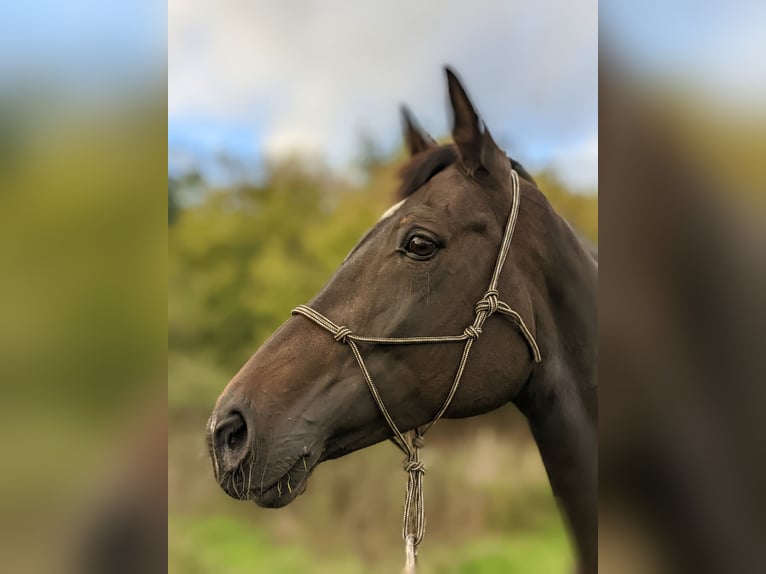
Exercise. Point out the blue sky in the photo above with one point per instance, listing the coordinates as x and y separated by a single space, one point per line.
715 46
82 47
256 79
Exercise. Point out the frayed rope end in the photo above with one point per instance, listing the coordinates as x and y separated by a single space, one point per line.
411 554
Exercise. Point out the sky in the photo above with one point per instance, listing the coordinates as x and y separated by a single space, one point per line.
256 79
715 46
87 48
264 78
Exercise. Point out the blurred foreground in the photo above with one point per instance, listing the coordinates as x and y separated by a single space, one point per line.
83 330
682 455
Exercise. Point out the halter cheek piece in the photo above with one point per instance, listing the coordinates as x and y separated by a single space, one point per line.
411 442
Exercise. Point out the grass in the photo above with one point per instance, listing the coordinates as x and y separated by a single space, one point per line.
542 551
488 505
229 545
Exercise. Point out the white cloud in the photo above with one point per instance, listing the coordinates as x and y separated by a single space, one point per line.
578 165
312 74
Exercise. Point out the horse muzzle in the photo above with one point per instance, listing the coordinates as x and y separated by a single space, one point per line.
230 440
272 478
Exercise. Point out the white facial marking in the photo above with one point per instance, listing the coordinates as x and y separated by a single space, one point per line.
391 210
216 468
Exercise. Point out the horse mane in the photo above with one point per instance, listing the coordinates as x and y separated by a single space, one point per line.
425 165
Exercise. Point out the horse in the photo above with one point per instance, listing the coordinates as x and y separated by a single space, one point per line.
416 277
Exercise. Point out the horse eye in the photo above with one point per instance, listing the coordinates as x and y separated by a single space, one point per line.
420 247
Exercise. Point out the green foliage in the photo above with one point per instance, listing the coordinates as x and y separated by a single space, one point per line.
242 256
234 546
581 210
534 551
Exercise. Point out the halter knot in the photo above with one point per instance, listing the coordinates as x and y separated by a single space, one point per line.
472 332
341 335
489 302
414 466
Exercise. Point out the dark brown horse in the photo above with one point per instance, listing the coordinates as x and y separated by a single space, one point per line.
301 399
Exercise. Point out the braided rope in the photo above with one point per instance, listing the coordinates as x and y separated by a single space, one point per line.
410 443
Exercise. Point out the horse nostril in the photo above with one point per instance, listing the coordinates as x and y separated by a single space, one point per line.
230 440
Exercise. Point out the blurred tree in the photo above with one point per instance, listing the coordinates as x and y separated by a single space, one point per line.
182 190
173 204
580 209
241 256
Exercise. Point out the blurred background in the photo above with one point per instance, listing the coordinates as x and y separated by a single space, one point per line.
284 143
128 190
682 449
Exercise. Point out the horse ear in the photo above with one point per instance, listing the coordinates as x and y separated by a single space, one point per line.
474 143
417 140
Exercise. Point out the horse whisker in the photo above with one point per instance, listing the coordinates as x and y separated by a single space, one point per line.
250 477
268 457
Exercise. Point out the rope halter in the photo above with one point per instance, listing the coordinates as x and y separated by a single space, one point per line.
414 525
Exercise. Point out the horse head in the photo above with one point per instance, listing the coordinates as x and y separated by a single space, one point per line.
302 399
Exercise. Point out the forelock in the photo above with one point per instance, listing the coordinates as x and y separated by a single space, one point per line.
425 165
422 167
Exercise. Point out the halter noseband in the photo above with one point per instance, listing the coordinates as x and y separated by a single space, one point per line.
410 443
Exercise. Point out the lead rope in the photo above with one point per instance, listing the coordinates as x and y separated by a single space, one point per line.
410 443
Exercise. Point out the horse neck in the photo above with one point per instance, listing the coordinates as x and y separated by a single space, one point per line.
558 275
560 397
